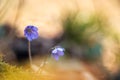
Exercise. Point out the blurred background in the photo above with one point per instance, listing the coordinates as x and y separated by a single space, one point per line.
88 30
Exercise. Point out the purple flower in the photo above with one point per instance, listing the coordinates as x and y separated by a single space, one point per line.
31 33
57 52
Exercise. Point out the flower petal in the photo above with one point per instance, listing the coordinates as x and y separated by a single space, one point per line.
60 53
56 57
60 49
54 51
29 37
34 28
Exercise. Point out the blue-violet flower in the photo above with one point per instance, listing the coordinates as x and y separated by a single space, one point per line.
57 52
31 33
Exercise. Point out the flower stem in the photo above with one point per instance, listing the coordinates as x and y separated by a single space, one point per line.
42 65
29 52
44 62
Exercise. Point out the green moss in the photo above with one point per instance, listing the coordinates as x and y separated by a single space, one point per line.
8 72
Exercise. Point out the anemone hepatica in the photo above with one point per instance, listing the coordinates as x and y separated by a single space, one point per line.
31 33
57 52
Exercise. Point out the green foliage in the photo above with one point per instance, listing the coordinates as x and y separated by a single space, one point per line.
2 31
94 52
86 32
81 30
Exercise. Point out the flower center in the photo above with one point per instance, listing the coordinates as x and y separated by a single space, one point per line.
29 30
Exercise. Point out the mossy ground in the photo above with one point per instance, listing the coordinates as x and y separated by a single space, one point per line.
8 72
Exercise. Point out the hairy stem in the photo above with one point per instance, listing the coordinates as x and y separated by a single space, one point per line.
29 52
44 62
